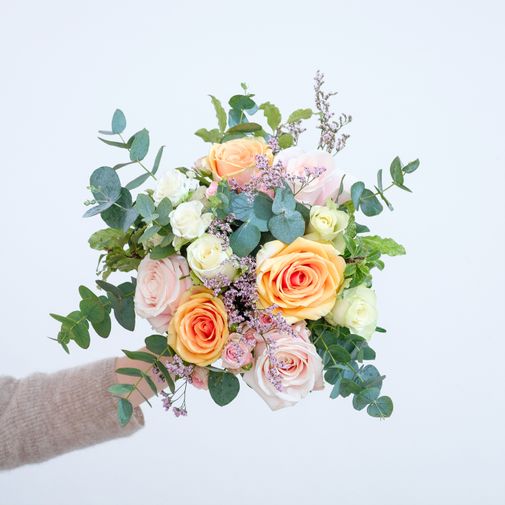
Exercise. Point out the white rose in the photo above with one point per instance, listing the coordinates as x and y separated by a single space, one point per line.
328 224
356 309
187 220
175 186
207 258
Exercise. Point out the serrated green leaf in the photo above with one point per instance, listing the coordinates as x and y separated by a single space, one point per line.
220 113
272 114
214 136
299 114
383 245
107 239
285 140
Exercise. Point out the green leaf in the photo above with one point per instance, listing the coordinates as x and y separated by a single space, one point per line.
163 210
356 191
122 145
140 145
141 356
157 344
363 398
166 375
411 167
396 171
287 226
159 252
157 160
256 212
245 239
124 411
272 114
220 113
285 140
131 372
383 245
379 180
91 306
384 199
284 201
223 387
347 387
121 389
148 233
145 206
110 288
138 181
299 114
241 102
104 327
335 391
105 186
382 407
118 121
369 204
109 238
235 117
213 136
122 215
79 330
244 128
339 353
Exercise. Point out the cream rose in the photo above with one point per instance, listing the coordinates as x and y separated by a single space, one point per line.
295 160
175 186
160 287
328 225
207 258
299 373
187 220
356 309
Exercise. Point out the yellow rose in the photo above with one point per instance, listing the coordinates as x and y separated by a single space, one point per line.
237 158
302 278
327 224
198 330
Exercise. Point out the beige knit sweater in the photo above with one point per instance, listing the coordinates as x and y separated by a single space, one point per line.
45 415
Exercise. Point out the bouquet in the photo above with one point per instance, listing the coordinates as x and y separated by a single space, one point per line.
250 265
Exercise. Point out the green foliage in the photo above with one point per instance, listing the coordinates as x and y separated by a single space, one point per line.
121 300
342 354
157 344
382 407
107 239
220 113
299 115
106 188
223 387
272 115
118 122
212 136
285 140
124 411
122 215
245 239
140 145
287 224
387 246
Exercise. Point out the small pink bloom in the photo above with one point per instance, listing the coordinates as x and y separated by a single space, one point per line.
160 286
236 353
200 378
212 189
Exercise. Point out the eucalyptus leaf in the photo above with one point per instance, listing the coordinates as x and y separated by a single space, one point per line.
382 407
287 226
245 239
140 145
118 122
124 411
223 387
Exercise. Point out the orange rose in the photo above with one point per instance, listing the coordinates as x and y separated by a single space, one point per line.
198 330
302 278
237 158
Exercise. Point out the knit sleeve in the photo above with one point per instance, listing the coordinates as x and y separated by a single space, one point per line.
44 415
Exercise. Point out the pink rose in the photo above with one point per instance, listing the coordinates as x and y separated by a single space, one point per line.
212 189
160 286
300 368
237 352
295 161
200 378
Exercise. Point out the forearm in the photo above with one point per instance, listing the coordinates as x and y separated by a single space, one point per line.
44 415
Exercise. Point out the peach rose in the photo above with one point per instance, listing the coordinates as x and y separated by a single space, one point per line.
299 373
237 158
160 287
200 378
301 279
295 161
198 330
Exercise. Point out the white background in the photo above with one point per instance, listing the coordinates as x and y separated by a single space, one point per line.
421 79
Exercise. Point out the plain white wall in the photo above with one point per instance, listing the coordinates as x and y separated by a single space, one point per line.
422 79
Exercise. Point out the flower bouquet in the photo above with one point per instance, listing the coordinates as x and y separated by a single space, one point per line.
249 265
